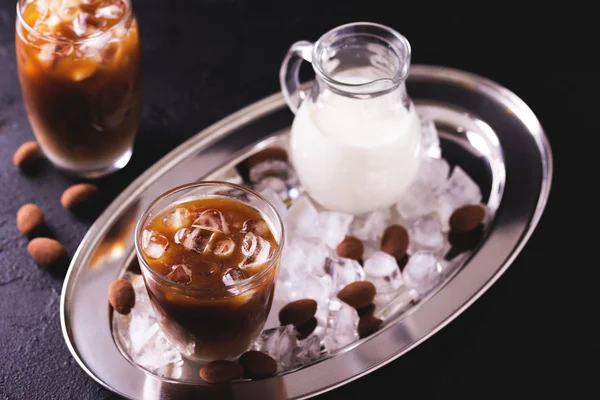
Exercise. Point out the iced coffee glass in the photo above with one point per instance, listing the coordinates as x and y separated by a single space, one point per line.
79 64
209 254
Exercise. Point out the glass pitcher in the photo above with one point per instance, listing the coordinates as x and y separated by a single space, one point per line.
356 137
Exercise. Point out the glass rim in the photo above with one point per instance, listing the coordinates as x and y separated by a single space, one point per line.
246 283
400 39
126 16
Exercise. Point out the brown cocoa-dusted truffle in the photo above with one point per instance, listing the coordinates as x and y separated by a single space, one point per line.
298 312
46 251
395 241
357 294
466 218
121 296
78 195
351 247
221 371
26 155
257 364
29 218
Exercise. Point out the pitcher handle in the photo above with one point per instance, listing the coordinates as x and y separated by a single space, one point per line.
289 73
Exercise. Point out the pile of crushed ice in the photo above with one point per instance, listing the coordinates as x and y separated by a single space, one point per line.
140 336
310 267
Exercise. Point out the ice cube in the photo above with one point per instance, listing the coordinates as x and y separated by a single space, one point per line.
278 175
93 45
120 328
64 8
342 324
63 49
459 190
224 247
259 228
84 71
303 257
212 220
422 273
279 343
142 329
184 234
300 257
45 25
389 305
145 343
173 370
234 275
68 10
418 200
272 168
382 270
370 249
272 197
330 227
141 295
318 288
157 352
430 140
177 218
434 173
249 244
307 351
142 315
180 273
39 26
274 184
194 239
370 226
112 11
154 244
257 250
346 271
46 53
301 216
50 22
426 233
80 24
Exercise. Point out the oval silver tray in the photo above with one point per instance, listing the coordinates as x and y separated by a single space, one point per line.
484 128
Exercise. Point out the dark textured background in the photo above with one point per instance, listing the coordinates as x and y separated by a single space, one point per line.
531 334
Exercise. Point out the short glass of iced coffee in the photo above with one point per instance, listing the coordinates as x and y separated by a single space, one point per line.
209 254
79 64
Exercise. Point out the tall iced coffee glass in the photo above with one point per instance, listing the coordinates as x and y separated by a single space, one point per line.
209 253
79 64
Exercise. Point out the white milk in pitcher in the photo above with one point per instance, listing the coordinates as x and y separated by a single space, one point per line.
356 155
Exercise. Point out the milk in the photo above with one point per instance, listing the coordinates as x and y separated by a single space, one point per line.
356 155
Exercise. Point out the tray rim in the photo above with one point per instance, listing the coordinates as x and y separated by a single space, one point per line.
275 102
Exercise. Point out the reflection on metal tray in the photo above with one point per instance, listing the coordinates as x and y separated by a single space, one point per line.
484 128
